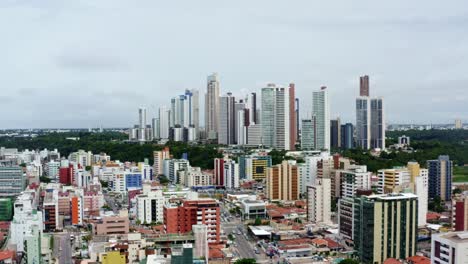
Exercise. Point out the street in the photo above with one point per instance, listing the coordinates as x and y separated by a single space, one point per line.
62 248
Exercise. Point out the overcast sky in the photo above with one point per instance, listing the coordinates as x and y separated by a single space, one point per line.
86 63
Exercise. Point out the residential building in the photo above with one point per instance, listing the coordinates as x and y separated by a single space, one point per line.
318 201
352 180
159 157
53 169
282 182
420 180
26 216
149 205
460 212
254 167
194 176
81 158
276 117
212 106
180 219
308 134
231 174
449 248
347 136
293 117
321 111
393 180
219 171
12 181
33 245
173 167
200 232
440 178
309 169
377 137
335 133
109 225
254 135
50 210
385 226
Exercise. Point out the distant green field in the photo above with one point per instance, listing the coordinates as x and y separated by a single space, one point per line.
460 174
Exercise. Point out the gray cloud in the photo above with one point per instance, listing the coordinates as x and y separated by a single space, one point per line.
86 63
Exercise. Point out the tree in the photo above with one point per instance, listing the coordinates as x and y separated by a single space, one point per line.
246 261
258 221
349 261
44 179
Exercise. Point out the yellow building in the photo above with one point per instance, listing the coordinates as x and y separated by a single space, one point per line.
113 257
414 170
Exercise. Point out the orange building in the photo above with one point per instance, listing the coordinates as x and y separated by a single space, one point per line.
282 182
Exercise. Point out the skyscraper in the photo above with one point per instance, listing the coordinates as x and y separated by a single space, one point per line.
385 226
321 111
292 116
377 136
275 117
308 134
370 119
335 133
141 124
364 85
347 136
226 123
212 106
440 178
164 120
252 105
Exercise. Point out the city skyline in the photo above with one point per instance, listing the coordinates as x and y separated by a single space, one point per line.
84 77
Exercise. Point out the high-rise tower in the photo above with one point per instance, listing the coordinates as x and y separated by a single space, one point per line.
212 106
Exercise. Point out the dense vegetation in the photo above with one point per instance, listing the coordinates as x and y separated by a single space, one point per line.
112 144
428 144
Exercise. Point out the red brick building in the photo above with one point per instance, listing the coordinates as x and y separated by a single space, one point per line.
179 219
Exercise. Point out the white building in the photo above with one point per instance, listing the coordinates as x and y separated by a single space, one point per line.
150 205
392 179
53 168
193 176
212 106
275 117
227 120
318 201
173 166
231 174
449 248
81 158
200 232
321 112
25 218
164 116
422 191
309 170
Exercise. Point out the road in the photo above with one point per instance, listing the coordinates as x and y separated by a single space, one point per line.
242 247
62 248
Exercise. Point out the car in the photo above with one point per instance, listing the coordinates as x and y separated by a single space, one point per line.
257 251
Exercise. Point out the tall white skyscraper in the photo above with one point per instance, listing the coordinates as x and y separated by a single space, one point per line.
212 106
308 134
184 118
321 111
164 120
275 117
318 201
141 124
155 126
370 118
226 123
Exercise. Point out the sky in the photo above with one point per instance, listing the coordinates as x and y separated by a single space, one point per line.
87 63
